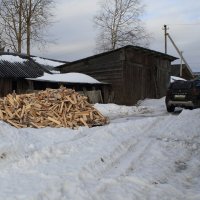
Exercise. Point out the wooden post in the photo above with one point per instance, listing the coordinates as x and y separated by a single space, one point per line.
165 35
181 66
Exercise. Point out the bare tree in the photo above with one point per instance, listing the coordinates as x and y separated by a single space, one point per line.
37 15
119 24
11 24
23 21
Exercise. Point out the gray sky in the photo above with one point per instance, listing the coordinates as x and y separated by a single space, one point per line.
74 32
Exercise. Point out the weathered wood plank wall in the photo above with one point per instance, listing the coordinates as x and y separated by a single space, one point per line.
145 76
108 68
6 86
134 74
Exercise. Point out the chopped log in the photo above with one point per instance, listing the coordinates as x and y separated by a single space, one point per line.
1 115
61 107
70 100
84 123
14 124
53 107
53 120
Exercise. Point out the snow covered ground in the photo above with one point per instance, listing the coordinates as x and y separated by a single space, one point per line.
144 153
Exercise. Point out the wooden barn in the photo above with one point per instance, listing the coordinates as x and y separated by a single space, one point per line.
97 92
14 68
134 72
22 74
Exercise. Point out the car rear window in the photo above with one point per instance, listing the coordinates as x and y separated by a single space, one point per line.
181 85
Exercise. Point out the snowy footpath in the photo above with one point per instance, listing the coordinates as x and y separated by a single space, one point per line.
143 153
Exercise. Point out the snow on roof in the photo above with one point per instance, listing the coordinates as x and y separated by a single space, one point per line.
41 61
48 62
67 77
175 78
12 58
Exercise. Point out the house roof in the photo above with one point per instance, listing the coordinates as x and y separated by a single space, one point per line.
137 48
175 70
14 65
67 78
196 73
47 63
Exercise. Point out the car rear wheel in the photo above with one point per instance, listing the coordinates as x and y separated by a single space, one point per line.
170 108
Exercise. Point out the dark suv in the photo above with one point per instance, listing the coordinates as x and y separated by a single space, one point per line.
185 94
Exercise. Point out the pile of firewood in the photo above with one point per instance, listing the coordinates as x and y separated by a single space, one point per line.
53 107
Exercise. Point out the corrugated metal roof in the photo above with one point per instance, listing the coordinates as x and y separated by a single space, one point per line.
47 63
23 69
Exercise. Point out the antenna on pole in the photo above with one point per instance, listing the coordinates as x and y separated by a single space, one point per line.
165 28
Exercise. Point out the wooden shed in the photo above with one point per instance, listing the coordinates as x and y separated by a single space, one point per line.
14 68
134 72
97 92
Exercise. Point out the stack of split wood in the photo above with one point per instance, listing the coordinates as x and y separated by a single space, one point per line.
53 107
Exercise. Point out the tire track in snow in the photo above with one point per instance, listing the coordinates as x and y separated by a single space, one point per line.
135 156
109 169
125 161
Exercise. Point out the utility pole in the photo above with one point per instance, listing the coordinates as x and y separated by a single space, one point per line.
179 52
165 28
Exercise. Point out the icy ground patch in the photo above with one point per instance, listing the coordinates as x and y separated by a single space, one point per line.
144 153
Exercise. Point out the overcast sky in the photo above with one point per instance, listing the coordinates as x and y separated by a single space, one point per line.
74 34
